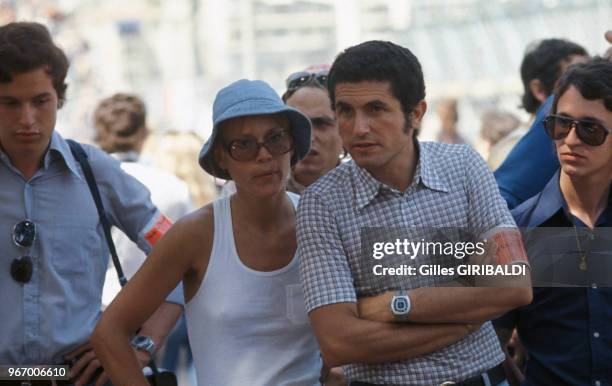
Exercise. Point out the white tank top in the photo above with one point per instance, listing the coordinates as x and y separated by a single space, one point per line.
248 327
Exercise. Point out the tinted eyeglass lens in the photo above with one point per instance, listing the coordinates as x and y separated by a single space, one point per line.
21 269
279 143
296 80
24 233
591 133
247 149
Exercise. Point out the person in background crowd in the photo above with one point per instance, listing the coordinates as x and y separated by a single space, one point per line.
495 126
174 152
121 130
449 117
567 332
236 257
394 331
54 251
307 92
531 159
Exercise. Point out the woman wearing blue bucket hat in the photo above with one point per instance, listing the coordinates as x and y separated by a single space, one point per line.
237 258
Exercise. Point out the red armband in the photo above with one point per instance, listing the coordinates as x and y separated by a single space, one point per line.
160 227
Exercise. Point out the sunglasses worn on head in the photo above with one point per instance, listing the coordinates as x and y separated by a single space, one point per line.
246 149
589 132
300 79
24 234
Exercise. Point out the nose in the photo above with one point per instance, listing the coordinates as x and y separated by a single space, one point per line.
26 117
361 125
263 154
572 138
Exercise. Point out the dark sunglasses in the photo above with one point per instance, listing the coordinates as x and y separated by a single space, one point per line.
24 234
246 149
591 133
302 78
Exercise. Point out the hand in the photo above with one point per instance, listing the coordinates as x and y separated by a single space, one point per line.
334 377
85 366
376 308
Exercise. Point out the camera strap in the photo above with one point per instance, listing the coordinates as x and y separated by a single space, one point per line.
81 157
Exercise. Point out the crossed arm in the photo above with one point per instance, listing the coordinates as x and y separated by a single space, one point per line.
458 303
346 338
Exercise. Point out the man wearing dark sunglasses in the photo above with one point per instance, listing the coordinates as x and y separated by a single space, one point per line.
307 92
567 332
53 254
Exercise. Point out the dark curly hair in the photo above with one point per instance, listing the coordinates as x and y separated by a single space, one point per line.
381 61
26 46
593 80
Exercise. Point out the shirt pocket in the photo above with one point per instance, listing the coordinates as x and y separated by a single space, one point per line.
296 306
76 245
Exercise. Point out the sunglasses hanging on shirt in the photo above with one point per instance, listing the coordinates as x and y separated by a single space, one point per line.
24 235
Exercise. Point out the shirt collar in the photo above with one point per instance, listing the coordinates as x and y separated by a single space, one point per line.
60 147
426 173
551 200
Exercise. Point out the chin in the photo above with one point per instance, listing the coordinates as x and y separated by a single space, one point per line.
367 162
573 171
267 190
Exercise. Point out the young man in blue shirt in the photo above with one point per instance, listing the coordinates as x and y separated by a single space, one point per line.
567 332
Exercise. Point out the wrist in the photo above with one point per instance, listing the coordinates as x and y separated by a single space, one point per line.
400 305
144 344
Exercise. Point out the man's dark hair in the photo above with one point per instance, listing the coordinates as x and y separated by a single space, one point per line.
543 61
382 62
117 120
28 46
592 79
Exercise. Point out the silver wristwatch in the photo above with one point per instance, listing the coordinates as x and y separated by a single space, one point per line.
400 305
145 343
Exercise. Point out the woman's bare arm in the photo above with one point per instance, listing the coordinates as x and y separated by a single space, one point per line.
183 252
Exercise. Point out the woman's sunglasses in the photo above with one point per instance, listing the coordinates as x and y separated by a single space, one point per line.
591 133
246 149
24 234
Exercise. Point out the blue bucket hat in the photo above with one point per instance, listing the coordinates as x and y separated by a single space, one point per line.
252 97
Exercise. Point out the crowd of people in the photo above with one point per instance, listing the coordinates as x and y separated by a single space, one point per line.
274 276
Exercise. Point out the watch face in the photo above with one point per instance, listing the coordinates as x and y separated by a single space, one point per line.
401 305
140 340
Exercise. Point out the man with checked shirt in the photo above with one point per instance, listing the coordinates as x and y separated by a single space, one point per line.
393 180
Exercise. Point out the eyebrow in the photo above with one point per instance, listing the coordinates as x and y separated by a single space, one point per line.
322 121
377 103
10 98
342 104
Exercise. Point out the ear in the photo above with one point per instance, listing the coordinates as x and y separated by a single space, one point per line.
536 88
416 116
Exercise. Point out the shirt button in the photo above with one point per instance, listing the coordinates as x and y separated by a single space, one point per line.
594 285
596 334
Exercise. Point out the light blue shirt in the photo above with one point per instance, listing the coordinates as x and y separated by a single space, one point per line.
57 310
